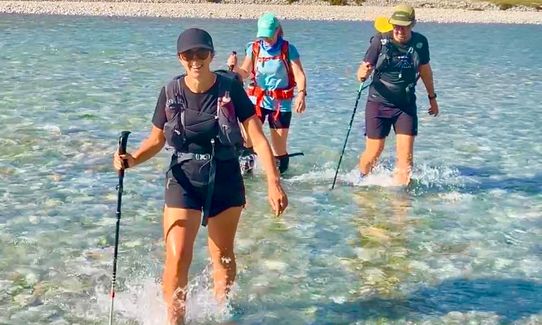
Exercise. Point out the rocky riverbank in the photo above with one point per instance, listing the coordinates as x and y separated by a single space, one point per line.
463 12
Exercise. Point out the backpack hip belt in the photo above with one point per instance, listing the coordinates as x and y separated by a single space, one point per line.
276 94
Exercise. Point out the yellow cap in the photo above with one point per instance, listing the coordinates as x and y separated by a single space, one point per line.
382 24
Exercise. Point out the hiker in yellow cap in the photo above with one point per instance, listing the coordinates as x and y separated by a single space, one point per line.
397 57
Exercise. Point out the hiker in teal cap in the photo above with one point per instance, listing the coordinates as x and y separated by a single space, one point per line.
274 68
398 58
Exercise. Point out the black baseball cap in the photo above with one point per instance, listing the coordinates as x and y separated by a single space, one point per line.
194 38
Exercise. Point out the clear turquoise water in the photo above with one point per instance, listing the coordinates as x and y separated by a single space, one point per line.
463 245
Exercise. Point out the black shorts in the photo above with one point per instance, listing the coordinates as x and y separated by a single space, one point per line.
282 121
379 119
186 186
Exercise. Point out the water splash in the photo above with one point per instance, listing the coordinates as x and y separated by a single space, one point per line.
424 176
141 301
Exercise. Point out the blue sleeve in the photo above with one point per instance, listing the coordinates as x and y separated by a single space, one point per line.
371 56
248 50
292 52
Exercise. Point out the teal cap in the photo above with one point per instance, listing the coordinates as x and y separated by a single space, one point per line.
267 25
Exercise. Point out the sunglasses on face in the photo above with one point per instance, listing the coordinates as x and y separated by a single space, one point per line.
195 54
400 28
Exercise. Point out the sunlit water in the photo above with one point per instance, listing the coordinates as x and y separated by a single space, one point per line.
461 245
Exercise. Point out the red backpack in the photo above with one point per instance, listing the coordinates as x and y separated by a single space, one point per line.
278 94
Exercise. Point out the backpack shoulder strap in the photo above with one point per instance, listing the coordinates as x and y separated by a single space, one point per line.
175 113
255 50
385 40
173 90
255 56
385 44
285 50
285 56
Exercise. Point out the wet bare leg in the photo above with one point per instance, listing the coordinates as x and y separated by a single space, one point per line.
180 230
404 162
369 157
222 229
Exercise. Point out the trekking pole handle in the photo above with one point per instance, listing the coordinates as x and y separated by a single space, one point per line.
231 66
123 141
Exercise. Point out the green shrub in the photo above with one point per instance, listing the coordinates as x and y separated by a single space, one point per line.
338 2
508 4
505 6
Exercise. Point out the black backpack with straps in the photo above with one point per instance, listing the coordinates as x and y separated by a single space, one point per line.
398 59
229 133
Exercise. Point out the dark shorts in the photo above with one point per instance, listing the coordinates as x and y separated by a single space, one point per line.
281 122
379 119
186 186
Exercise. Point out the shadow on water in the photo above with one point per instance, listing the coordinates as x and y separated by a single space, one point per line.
491 179
383 222
511 299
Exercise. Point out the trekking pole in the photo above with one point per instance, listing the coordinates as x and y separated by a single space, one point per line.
123 140
361 87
